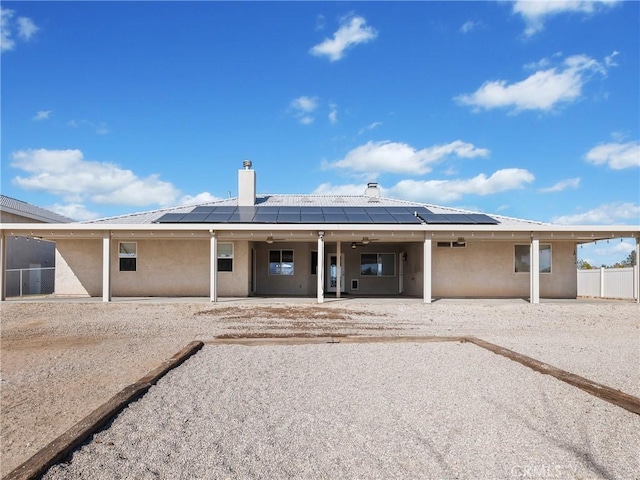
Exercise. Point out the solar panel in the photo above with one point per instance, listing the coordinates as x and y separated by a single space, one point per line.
265 217
194 217
311 217
171 218
330 214
203 209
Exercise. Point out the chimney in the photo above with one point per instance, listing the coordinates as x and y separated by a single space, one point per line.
246 185
372 191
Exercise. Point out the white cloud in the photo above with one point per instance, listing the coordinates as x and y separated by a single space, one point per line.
75 211
616 155
393 157
352 31
543 90
302 107
451 190
562 185
609 59
24 26
99 128
333 114
204 197
610 213
371 126
42 115
67 174
346 190
535 13
469 26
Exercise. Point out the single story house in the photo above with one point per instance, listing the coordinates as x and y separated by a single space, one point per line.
314 245
30 262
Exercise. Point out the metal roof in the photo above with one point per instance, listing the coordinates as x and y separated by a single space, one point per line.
24 209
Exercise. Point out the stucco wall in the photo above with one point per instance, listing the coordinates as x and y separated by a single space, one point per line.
163 268
181 268
486 269
79 267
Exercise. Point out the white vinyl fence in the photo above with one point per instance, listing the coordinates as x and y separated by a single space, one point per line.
609 283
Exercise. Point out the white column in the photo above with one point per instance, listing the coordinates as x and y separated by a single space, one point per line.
426 270
636 272
320 274
213 268
602 280
3 267
106 266
339 270
534 271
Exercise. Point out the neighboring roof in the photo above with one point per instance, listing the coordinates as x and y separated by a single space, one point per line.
303 201
24 209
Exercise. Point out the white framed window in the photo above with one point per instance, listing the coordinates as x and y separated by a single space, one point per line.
281 262
377 264
225 257
128 256
522 260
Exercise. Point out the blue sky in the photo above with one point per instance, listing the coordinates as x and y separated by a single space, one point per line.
527 109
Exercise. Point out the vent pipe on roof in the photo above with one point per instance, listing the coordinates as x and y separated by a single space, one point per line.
246 185
372 191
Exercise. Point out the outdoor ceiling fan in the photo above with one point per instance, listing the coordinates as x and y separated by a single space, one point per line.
270 239
363 242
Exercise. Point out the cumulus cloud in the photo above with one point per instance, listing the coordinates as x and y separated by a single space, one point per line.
543 90
616 155
610 213
451 190
535 13
23 26
42 115
393 157
67 174
75 211
562 185
352 31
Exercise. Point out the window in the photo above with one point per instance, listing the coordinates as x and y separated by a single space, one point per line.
456 244
314 263
523 263
280 262
127 255
378 264
225 257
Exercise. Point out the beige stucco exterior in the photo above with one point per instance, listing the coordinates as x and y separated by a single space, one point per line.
181 268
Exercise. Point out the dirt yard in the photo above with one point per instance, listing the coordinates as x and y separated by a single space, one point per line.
61 360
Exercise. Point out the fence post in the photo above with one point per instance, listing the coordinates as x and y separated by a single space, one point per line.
602 274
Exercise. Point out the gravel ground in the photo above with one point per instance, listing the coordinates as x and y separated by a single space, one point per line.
443 410
62 359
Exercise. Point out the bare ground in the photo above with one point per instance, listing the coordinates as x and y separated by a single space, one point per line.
60 361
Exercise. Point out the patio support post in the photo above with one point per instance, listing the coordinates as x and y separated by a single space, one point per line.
3 267
534 271
426 270
320 267
636 272
339 269
213 267
106 266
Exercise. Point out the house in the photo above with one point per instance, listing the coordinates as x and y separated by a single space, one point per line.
315 245
30 262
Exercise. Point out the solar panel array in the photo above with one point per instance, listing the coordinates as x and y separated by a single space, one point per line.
320 215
